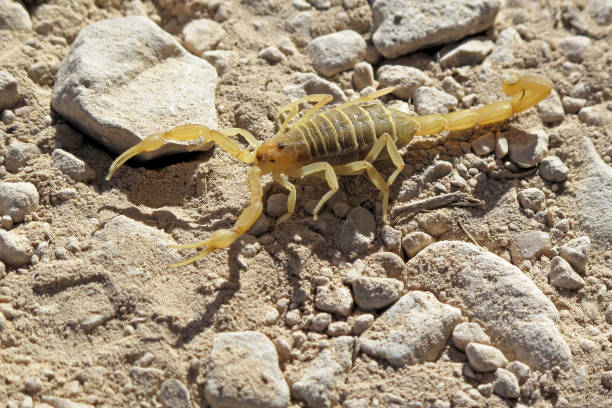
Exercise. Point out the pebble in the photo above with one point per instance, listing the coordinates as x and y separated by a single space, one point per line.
358 232
428 100
553 169
276 206
7 117
574 47
501 147
286 46
320 4
532 198
18 200
19 154
336 329
434 223
220 59
320 322
576 252
231 382
174 394
415 329
363 75
485 389
334 299
301 4
484 145
318 381
15 250
9 88
147 379
310 83
551 109
293 317
468 332
484 358
415 242
609 314
520 370
27 402
336 52
408 79
271 54
13 16
202 35
57 402
392 264
72 166
573 105
362 323
507 304
300 23
528 245
133 51
6 222
469 52
562 275
527 148
508 46
606 379
594 196
505 384
222 10
437 170
32 385
597 115
395 35
600 11
376 293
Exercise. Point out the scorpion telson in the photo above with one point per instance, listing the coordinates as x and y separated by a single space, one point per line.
344 140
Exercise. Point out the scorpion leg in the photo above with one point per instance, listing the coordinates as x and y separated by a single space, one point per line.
330 177
369 97
187 133
290 200
294 107
366 164
223 238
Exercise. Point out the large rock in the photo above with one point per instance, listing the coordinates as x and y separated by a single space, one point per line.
126 78
517 316
404 26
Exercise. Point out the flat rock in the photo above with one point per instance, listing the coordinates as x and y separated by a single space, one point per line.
562 275
407 79
528 245
119 84
13 16
376 293
439 22
244 372
18 200
415 329
72 166
594 197
336 52
469 52
517 316
357 232
527 148
15 250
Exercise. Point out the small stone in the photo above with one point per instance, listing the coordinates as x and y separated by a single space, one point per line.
310 83
376 293
271 54
485 389
336 52
7 117
220 59
609 314
408 79
563 276
484 145
357 232
6 222
573 105
469 52
18 200
505 384
527 148
276 205
428 100
363 75
286 46
27 402
551 109
392 264
597 115
532 198
362 323
202 35
15 250
553 169
415 242
576 252
574 47
606 379
528 245
18 154
300 23
293 317
520 370
14 16
436 171
32 385
332 299
72 166
301 4
57 402
485 358
466 332
174 394
600 11
336 329
223 11
320 4
9 88
320 322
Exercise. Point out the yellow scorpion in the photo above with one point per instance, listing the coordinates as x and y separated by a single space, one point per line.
344 140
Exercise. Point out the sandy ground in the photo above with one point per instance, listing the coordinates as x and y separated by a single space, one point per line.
93 305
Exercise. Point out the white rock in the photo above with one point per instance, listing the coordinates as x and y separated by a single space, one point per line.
364 322
597 115
119 84
271 54
310 83
574 47
428 100
551 109
318 381
573 105
72 166
519 318
244 372
18 200
220 59
336 329
505 384
15 250
319 322
202 35
484 358
532 198
465 333
439 22
336 52
507 47
600 11
13 16
300 23
609 314
484 145
376 293
563 276
363 75
18 154
520 370
527 148
553 169
469 52
415 329
9 87
174 394
409 79
334 299
320 4
576 252
357 233
57 402
528 245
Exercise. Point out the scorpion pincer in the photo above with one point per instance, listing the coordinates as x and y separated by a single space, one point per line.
344 140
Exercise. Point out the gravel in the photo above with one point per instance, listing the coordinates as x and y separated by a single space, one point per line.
376 293
336 52
18 200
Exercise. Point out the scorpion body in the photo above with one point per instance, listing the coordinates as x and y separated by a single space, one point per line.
344 140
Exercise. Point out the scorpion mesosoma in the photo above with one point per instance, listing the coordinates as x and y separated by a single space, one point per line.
344 140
